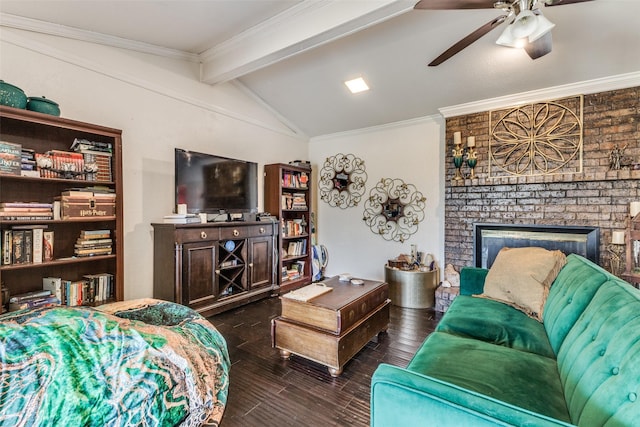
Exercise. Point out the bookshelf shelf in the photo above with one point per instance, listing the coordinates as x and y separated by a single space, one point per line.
39 134
56 262
288 197
52 181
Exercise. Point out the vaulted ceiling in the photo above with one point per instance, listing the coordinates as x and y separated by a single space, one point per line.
296 54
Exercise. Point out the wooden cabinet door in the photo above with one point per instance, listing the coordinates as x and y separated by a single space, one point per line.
260 261
199 282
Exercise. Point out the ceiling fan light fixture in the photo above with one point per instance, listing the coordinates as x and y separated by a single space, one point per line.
525 24
507 38
543 27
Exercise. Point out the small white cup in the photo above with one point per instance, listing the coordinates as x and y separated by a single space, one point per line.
182 209
203 218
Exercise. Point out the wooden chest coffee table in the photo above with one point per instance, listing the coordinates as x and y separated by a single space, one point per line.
331 328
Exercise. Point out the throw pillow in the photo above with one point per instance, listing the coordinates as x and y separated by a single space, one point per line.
521 277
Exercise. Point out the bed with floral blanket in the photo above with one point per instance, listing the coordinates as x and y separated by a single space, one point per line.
142 362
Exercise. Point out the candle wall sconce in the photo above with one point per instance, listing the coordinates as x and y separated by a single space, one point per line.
342 180
394 209
472 156
458 155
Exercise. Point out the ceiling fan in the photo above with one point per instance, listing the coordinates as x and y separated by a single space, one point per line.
528 28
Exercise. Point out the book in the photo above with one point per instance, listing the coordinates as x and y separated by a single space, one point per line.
7 250
28 246
309 292
10 158
38 236
95 234
183 220
17 247
30 295
47 246
34 303
25 205
54 286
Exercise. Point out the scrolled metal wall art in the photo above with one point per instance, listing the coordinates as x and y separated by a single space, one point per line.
342 180
394 209
536 139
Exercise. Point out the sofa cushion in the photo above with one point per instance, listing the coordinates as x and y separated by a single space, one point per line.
522 277
520 378
569 295
598 360
497 323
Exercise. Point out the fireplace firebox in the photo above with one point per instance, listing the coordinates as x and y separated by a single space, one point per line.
488 239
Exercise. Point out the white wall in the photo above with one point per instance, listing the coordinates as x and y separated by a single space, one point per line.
411 151
159 104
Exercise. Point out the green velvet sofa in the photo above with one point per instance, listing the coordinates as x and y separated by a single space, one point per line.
489 364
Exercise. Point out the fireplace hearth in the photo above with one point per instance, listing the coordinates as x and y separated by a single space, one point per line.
488 239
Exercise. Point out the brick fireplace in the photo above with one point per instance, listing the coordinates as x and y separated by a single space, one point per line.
596 197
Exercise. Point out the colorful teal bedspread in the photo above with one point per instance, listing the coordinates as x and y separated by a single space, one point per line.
134 363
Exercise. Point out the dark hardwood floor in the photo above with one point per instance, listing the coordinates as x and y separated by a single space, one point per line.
266 390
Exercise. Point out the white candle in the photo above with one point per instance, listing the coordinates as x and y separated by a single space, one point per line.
617 238
457 138
634 209
471 141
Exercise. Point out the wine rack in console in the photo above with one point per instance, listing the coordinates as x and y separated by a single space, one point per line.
82 241
287 197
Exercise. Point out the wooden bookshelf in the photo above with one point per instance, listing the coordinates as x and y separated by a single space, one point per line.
287 196
41 133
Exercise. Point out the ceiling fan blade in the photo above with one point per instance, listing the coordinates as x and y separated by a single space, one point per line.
468 40
454 4
562 2
540 47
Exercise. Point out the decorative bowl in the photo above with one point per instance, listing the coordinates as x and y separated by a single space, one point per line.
12 96
43 105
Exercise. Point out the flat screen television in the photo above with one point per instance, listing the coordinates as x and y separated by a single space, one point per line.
212 184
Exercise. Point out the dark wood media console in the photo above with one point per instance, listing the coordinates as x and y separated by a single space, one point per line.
214 267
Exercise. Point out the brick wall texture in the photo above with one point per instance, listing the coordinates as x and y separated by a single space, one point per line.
597 197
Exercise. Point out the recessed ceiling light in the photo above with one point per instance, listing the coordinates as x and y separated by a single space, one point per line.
357 85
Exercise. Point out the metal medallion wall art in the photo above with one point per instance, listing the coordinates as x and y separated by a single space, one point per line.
394 209
536 139
342 180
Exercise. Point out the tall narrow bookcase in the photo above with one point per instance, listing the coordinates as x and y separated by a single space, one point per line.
43 133
287 196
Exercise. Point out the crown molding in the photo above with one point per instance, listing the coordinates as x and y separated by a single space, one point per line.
109 71
432 119
604 84
38 26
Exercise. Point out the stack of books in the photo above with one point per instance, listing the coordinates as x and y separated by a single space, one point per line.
93 242
64 163
35 299
28 163
26 211
181 219
299 201
97 153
